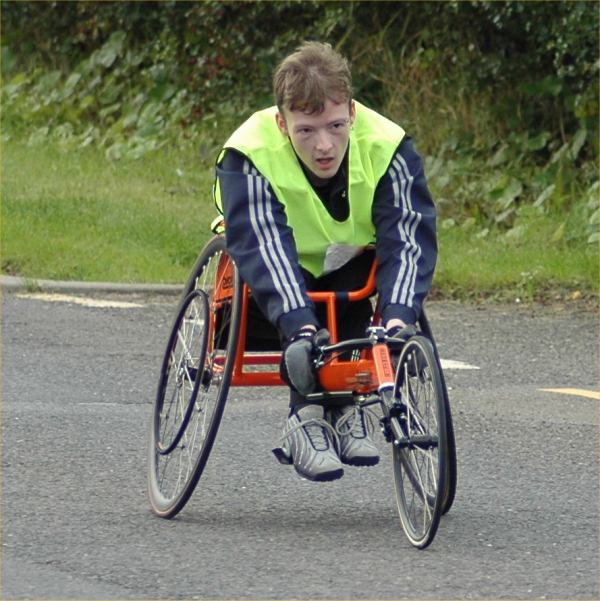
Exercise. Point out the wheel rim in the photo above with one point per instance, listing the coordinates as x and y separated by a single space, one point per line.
417 467
176 465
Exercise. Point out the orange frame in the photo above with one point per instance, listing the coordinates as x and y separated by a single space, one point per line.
371 371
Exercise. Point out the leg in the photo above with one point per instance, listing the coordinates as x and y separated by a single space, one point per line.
261 334
355 444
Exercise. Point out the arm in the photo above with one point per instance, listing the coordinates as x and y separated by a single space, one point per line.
262 245
405 224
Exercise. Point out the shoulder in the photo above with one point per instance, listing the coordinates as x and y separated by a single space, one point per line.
258 128
233 160
406 149
406 158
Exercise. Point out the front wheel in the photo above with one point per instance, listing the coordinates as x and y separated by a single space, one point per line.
420 452
194 380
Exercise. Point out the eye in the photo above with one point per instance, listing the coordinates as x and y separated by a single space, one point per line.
337 126
304 131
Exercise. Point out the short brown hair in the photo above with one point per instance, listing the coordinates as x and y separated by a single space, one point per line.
310 76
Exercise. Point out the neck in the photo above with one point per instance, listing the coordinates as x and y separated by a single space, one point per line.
315 180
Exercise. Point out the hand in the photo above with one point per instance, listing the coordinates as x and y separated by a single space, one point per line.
297 366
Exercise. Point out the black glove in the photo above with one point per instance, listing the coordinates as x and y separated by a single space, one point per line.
297 360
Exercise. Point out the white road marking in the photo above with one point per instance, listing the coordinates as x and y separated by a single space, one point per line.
589 394
80 300
451 364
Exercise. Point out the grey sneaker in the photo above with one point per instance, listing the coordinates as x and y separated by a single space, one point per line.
309 442
356 445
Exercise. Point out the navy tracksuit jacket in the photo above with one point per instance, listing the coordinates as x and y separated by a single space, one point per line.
262 244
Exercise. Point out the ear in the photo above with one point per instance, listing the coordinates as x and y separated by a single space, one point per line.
279 119
352 112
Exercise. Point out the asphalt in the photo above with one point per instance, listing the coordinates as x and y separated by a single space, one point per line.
78 385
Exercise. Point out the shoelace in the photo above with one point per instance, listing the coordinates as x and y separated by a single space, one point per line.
357 425
317 433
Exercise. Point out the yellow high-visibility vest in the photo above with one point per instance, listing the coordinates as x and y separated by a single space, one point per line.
373 141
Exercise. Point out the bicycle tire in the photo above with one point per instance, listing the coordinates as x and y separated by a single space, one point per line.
420 455
451 466
176 463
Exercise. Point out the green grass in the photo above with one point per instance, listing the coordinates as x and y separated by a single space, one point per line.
75 215
530 269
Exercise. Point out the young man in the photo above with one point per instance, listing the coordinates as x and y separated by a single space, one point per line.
305 187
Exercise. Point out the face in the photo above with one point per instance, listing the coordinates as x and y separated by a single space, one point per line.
320 140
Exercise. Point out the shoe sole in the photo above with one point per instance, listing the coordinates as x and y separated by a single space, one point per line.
323 477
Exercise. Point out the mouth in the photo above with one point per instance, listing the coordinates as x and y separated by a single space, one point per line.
325 163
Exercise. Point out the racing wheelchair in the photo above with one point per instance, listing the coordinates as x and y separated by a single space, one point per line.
398 379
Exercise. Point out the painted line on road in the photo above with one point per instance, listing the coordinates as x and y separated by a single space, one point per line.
451 364
589 394
79 300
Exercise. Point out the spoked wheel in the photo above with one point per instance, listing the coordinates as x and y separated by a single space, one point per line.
451 465
420 452
194 380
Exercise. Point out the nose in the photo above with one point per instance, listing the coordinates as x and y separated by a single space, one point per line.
323 143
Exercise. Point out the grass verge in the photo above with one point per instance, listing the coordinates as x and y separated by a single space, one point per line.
76 216
73 215
530 269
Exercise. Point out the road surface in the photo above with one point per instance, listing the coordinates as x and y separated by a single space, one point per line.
78 380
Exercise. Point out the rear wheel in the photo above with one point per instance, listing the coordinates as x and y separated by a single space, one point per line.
194 380
451 466
420 452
